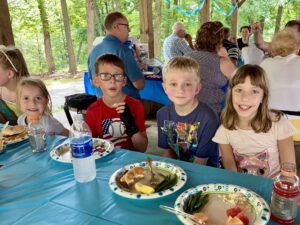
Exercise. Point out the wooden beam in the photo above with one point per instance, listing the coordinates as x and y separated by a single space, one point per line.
235 17
6 32
146 25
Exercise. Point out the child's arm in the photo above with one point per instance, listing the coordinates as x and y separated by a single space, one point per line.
169 153
286 150
202 161
65 132
140 141
228 157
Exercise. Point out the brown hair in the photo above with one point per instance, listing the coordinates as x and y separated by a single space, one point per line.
284 43
29 81
182 63
209 36
293 23
109 59
12 58
111 18
262 121
245 27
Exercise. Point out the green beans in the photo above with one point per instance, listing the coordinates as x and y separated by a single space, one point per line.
168 182
195 202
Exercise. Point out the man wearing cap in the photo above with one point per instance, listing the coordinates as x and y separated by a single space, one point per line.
174 45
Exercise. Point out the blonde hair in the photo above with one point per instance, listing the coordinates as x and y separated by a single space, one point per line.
12 58
262 121
285 43
182 63
25 82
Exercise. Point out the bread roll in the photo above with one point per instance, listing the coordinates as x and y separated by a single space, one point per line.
9 131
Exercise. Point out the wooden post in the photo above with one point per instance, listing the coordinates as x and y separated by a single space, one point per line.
6 32
235 15
205 15
146 25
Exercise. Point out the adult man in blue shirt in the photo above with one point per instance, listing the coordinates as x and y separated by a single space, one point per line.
118 30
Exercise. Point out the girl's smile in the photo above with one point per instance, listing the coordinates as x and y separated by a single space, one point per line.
246 99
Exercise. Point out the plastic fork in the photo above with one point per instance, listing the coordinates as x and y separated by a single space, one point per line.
179 212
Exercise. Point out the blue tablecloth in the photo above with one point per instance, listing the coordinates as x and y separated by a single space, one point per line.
153 90
34 189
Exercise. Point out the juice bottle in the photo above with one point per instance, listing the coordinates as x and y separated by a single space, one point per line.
285 195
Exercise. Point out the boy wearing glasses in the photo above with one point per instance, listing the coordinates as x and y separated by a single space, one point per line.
116 116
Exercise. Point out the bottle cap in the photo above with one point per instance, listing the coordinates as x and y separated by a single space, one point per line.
32 118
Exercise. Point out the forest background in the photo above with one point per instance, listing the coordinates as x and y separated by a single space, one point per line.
31 18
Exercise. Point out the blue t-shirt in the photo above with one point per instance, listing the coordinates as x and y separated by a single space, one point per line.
189 135
112 45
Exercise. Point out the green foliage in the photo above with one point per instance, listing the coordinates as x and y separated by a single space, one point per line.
29 38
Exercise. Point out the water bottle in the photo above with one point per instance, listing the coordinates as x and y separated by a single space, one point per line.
285 195
82 151
36 133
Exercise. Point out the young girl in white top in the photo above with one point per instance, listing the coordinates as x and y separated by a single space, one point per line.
252 138
34 99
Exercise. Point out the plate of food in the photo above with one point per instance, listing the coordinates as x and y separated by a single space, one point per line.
147 180
62 152
14 134
223 204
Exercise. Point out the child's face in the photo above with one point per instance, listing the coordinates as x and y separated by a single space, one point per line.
110 87
32 100
5 75
246 99
181 87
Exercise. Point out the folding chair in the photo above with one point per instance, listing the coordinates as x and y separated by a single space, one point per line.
79 103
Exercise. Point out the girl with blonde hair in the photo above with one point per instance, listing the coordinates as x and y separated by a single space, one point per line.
34 99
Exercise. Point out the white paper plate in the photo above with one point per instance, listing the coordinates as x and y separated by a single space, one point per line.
181 180
261 213
67 157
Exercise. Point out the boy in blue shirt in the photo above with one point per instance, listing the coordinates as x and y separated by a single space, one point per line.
186 127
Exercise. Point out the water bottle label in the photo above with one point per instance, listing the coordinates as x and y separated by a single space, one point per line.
282 207
82 150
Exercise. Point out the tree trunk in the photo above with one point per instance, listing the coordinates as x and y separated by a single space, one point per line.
262 24
157 22
278 18
169 25
71 56
79 50
205 17
47 38
175 11
235 19
90 9
98 20
118 5
146 25
6 32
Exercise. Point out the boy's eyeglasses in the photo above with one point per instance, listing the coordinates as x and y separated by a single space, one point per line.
108 76
8 59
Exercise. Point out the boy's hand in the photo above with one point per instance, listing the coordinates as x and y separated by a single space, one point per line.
128 121
120 107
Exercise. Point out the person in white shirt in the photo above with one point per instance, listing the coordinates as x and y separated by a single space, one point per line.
283 72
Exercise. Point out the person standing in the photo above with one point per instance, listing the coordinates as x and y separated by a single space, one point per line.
118 30
231 47
245 33
175 45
